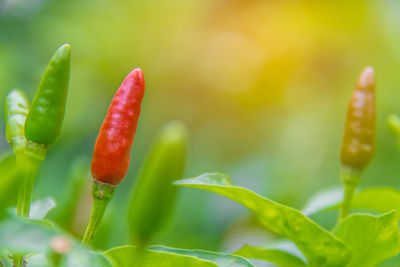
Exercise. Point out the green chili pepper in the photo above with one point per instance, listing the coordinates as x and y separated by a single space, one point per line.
393 123
73 191
154 194
17 107
358 146
16 110
45 117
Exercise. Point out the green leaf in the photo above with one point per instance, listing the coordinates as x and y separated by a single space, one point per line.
381 199
81 257
37 260
274 255
372 239
26 236
319 246
77 257
40 208
222 260
395 261
128 256
3 258
323 201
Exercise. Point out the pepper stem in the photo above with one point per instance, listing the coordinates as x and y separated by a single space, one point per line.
34 154
350 177
102 194
20 199
348 195
18 145
30 177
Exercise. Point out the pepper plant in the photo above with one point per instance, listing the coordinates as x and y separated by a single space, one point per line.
366 233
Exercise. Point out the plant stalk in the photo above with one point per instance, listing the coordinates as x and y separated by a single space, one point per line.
350 177
102 194
34 154
30 177
348 196
18 261
20 200
19 151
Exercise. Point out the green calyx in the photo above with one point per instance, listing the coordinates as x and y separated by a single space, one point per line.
350 175
45 117
102 191
154 194
16 110
34 151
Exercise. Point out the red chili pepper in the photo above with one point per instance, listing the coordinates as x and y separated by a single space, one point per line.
113 145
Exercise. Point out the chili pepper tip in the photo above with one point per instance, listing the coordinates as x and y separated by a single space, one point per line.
65 47
137 76
366 81
175 131
393 122
63 51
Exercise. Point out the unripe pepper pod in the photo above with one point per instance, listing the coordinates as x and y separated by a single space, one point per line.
154 194
358 146
43 123
16 110
111 154
45 117
393 123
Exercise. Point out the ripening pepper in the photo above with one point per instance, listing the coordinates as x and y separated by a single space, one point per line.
45 117
112 150
16 110
358 146
154 195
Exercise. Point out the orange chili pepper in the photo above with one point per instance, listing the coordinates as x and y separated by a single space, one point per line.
358 146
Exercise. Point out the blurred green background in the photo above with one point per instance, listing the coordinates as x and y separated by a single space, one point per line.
262 85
